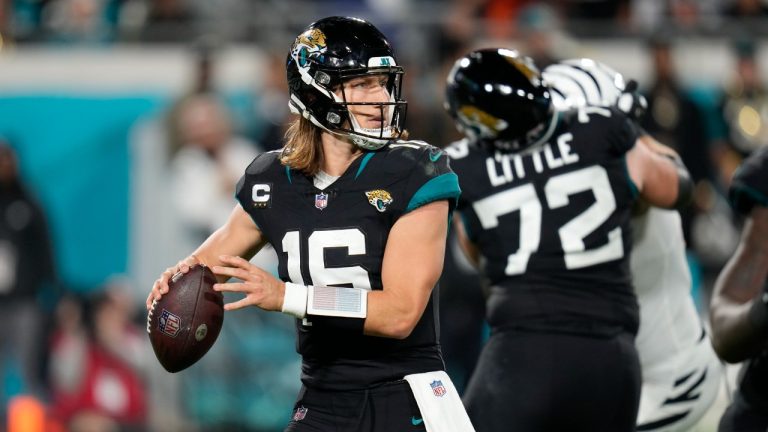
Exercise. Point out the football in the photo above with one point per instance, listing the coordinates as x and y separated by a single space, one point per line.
185 322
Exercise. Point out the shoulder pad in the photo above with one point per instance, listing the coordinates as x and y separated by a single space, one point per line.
264 162
410 144
411 150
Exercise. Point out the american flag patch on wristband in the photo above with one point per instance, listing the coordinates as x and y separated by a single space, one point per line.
337 301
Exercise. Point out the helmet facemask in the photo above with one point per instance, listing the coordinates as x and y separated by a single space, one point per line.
391 113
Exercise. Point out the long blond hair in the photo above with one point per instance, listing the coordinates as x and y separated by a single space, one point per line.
302 148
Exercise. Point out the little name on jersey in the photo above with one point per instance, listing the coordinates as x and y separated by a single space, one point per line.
506 167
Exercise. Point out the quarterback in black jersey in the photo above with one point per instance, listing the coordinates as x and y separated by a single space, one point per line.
545 209
739 306
358 218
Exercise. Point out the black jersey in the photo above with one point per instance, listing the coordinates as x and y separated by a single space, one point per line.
337 237
749 188
552 224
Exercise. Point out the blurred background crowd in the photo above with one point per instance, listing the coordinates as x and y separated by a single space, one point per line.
124 125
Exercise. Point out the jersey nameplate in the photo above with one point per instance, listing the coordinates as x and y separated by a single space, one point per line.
505 167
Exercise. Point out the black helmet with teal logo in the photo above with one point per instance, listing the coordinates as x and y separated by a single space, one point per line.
331 51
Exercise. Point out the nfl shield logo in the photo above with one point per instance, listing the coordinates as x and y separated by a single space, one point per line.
437 388
321 201
300 413
169 323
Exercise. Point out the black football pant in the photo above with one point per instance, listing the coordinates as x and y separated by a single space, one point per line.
545 382
388 408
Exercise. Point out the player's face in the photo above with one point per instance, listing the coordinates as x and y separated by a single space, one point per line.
371 89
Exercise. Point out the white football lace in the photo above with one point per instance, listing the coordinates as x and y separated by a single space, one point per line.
149 315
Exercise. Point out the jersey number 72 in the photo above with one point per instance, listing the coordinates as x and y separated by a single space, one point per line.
556 191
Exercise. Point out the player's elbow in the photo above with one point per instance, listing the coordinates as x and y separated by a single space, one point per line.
400 327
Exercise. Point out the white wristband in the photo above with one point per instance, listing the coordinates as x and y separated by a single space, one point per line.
295 300
337 301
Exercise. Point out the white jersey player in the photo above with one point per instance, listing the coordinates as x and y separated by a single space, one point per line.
681 372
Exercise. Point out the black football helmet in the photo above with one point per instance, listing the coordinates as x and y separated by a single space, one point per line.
331 51
498 98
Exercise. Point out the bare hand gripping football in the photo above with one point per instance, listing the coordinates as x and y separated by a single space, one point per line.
184 324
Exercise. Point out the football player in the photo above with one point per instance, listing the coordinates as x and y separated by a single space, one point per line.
358 219
739 307
681 373
546 203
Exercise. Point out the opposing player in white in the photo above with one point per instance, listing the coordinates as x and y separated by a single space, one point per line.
681 372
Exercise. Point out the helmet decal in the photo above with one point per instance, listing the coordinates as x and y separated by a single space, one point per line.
311 43
486 125
521 63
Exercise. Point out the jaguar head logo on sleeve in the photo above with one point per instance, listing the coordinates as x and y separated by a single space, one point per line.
379 198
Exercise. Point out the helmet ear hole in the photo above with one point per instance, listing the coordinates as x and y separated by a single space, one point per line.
333 118
322 78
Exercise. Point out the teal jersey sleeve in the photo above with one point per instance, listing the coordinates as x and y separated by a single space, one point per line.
432 180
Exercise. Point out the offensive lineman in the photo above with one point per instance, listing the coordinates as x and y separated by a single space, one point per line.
546 202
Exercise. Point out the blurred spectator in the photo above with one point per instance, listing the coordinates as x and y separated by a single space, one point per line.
651 16
159 21
26 272
271 107
744 126
675 120
540 29
745 9
607 10
744 108
20 20
206 168
97 358
204 69
5 11
80 21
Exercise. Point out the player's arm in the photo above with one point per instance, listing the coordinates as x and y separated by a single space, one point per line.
239 236
659 174
738 314
413 262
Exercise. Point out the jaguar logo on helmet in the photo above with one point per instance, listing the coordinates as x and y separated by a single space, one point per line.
485 124
521 63
311 43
